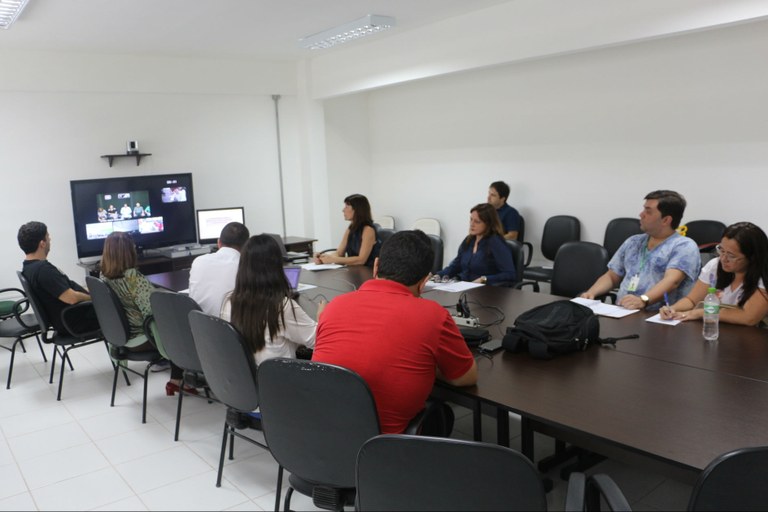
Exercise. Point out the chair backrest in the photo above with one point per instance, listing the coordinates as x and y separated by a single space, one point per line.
315 418
558 230
577 266
518 257
37 306
706 233
228 364
385 221
437 246
428 225
385 233
397 472
110 312
737 480
617 231
171 312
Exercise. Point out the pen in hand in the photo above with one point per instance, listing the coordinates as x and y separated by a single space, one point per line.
666 299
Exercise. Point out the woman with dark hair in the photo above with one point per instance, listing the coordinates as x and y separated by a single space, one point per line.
484 256
260 306
739 273
118 270
360 244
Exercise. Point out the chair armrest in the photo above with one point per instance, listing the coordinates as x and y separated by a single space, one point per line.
66 318
8 305
332 249
436 419
602 486
19 307
575 495
529 253
523 284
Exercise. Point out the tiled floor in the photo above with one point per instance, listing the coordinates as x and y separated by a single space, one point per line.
81 454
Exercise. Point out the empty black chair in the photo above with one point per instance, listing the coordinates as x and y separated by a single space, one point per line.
737 480
171 313
557 231
62 343
399 472
384 233
706 233
117 333
577 266
316 417
17 326
437 246
617 231
230 370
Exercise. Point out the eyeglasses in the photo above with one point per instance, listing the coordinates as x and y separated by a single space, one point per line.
727 256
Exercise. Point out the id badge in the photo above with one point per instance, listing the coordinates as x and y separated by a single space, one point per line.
633 283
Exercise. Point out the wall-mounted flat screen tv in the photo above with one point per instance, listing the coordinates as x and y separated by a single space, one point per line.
157 211
211 221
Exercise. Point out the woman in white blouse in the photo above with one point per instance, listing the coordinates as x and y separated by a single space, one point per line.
260 306
739 273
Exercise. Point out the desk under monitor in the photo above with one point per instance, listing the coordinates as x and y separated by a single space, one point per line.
668 400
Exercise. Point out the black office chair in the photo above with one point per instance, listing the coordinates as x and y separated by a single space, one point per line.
617 231
437 246
230 370
400 472
557 231
316 417
706 233
117 333
577 266
737 480
62 343
385 234
518 257
171 314
17 326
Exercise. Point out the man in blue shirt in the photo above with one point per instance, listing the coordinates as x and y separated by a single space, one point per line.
498 193
656 263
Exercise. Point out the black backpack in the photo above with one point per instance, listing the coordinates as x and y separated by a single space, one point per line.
556 328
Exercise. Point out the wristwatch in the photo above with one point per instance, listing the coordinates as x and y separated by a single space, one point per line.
645 299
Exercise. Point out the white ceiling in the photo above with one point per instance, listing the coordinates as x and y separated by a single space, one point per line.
263 29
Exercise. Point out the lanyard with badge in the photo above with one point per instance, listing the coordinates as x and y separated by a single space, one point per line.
635 280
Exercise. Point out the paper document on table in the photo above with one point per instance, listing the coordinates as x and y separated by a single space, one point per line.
656 319
304 286
603 309
457 286
321 266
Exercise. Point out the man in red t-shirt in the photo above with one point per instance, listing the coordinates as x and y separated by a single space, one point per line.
395 340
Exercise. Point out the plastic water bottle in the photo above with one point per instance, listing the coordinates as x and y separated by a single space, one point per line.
711 328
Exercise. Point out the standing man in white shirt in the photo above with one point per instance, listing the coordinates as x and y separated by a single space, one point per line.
212 276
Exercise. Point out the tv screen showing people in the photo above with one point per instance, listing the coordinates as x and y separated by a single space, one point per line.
157 211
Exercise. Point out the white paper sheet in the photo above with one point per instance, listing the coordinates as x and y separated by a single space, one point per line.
603 309
321 266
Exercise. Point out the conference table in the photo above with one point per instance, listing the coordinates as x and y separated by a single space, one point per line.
669 400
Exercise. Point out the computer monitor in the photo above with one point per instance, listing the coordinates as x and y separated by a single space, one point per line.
211 221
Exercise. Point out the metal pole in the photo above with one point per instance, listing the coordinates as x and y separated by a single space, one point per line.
276 99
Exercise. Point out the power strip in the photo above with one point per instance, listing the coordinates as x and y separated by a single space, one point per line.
465 321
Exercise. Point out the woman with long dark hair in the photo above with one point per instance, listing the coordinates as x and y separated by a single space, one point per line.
739 273
360 244
261 307
483 256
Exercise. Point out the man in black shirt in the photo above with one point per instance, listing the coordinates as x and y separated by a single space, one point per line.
52 287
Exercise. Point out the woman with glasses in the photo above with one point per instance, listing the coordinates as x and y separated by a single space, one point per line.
739 274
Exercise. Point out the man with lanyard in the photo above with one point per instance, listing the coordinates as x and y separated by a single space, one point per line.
655 266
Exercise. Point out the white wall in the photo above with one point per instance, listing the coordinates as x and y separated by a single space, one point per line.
210 118
587 134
